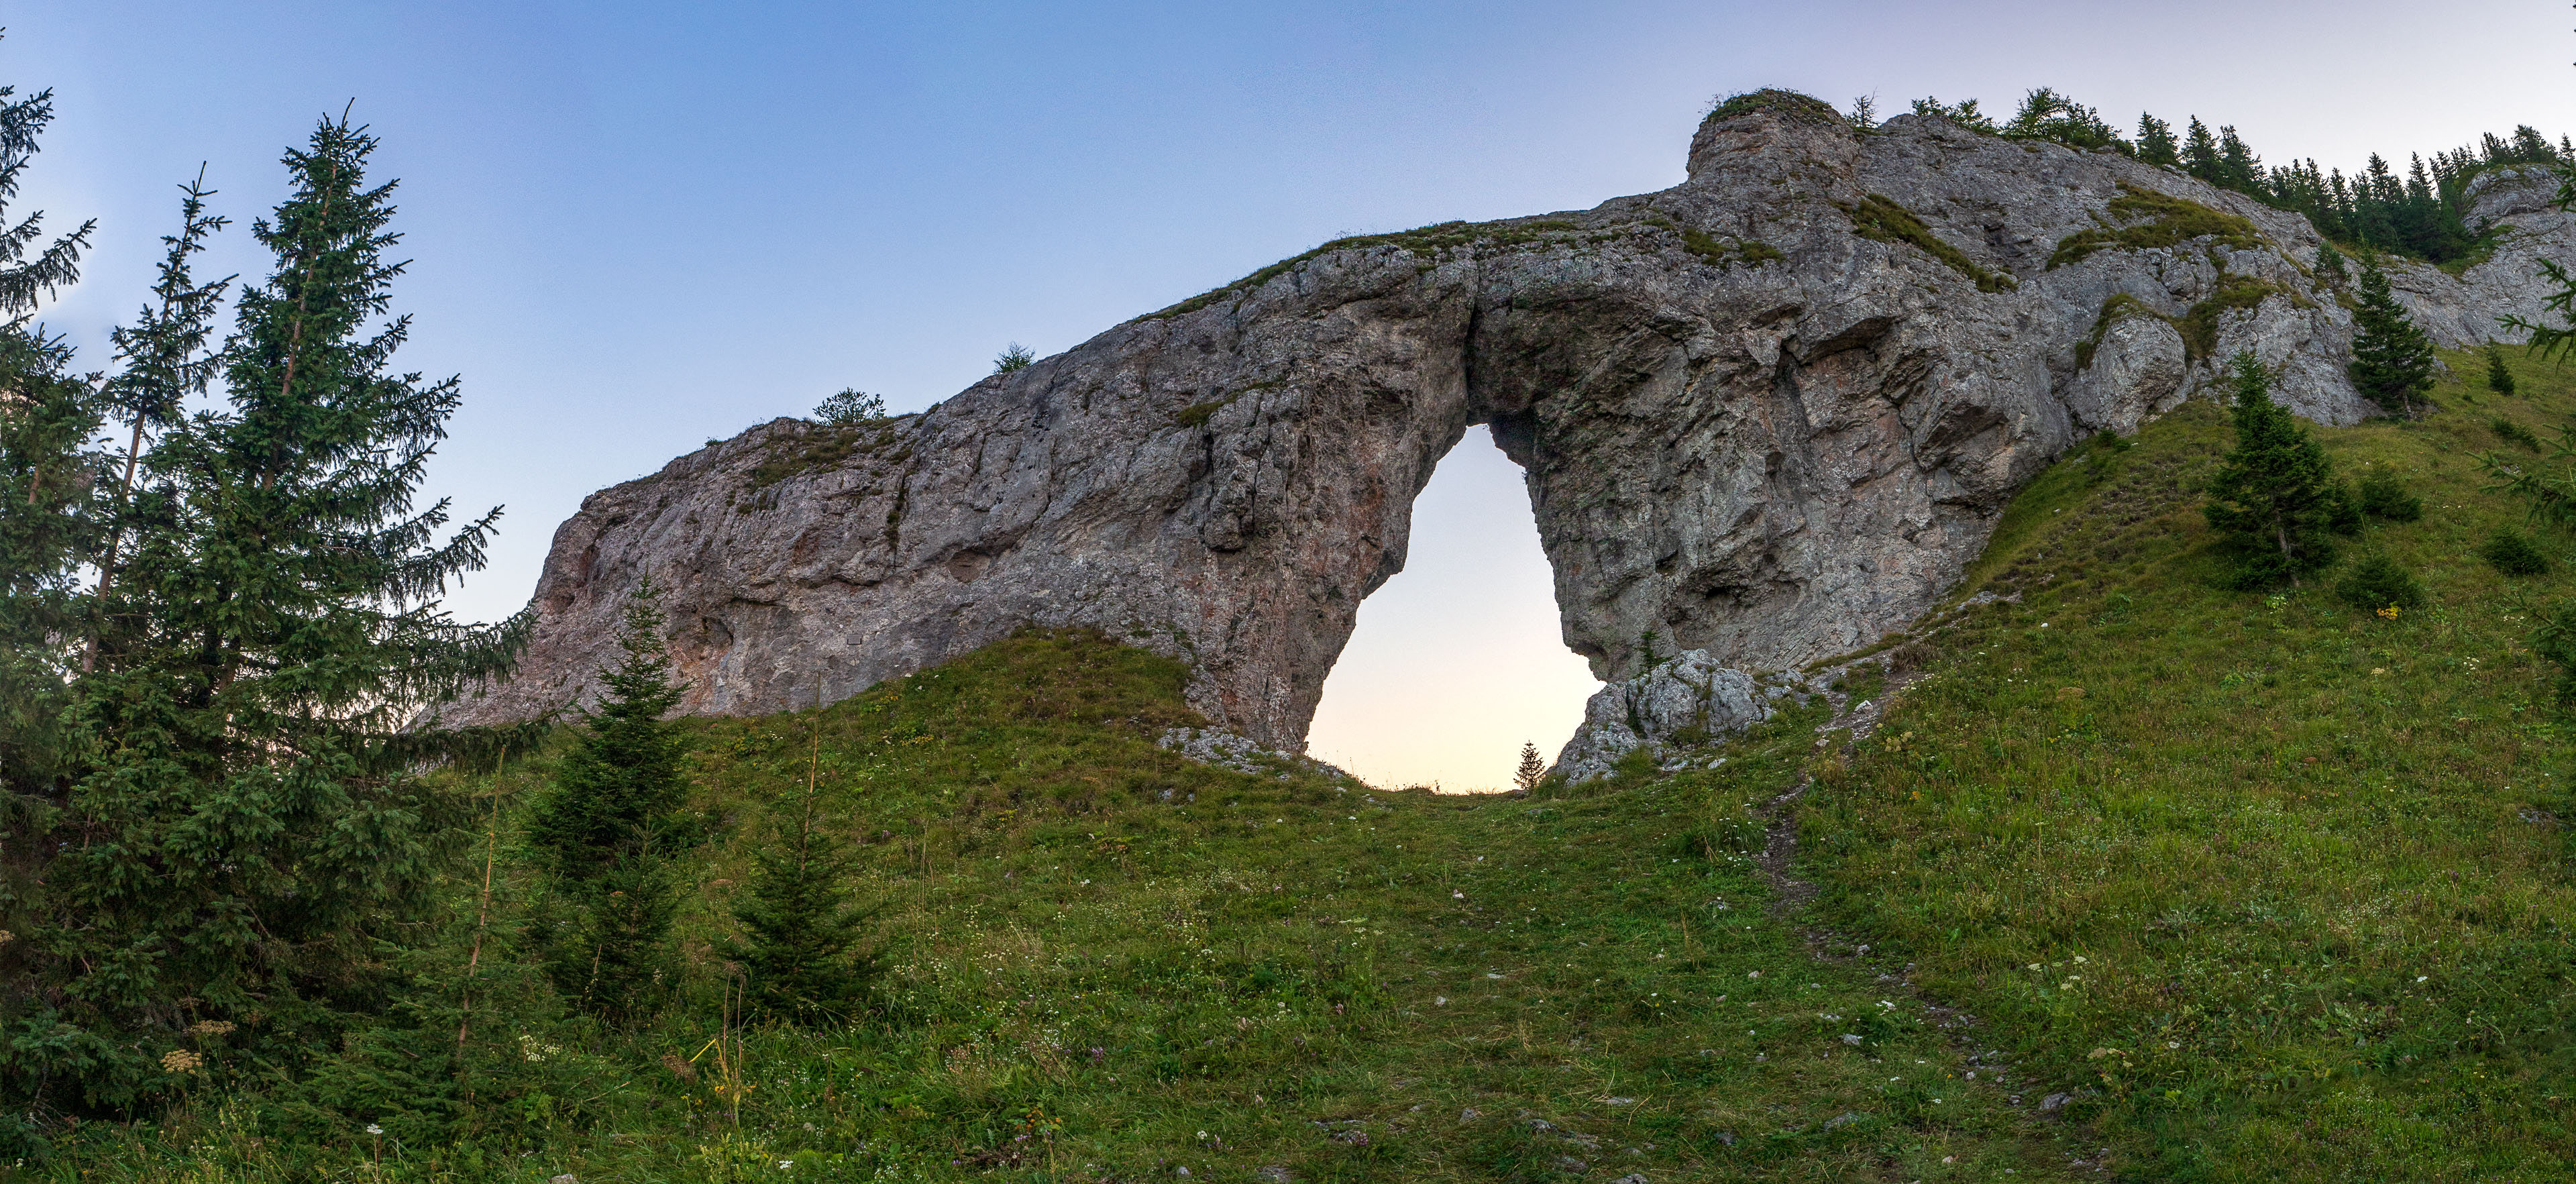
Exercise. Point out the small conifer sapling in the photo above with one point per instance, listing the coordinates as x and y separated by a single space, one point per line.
2380 584
2274 498
602 828
1531 769
2499 379
802 961
2512 552
2383 496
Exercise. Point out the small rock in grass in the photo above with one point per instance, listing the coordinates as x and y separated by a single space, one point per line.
566 1178
1848 1038
1274 1174
1632 1178
2054 1101
1726 1137
1469 1115
1846 1118
1568 1163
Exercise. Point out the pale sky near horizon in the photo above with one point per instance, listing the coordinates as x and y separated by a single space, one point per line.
640 225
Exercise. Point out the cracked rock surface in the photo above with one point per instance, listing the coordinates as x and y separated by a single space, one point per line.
1748 429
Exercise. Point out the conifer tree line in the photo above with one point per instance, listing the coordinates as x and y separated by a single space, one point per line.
2420 213
219 827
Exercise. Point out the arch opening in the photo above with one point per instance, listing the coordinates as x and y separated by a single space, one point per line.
1459 658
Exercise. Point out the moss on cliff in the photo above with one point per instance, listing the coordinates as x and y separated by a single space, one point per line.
1432 239
2143 219
1779 102
1880 219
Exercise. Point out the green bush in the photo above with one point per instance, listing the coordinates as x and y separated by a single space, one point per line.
851 406
2514 432
2383 496
2511 552
2378 583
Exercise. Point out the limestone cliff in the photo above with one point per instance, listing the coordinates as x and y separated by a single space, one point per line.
1769 414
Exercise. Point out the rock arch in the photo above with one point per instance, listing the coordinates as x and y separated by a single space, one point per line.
1759 416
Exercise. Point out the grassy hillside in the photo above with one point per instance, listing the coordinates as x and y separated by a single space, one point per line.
2281 881
2250 887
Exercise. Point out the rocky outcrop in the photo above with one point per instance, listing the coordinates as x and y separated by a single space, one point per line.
1769 414
1681 703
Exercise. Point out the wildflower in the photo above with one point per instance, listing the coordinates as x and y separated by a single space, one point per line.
210 1028
785 1164
2389 613
373 1129
180 1060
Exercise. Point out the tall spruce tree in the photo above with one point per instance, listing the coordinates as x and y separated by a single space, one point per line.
2274 498
249 822
603 831
802 960
2156 143
2200 152
2392 360
164 361
47 465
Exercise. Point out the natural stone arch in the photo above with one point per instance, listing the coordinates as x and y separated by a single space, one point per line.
1769 413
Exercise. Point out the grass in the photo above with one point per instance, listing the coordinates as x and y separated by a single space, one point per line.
2282 883
1881 219
821 448
2143 219
1112 963
1789 103
2268 888
1424 240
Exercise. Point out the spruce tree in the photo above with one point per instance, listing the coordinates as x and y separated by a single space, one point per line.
47 508
2330 265
165 361
2392 360
2200 152
2499 379
250 823
2274 499
802 962
1532 768
603 830
2156 143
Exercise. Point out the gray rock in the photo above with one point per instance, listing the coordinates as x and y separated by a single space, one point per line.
2055 1101
1632 1178
1768 453
1274 1174
1841 1120
1685 700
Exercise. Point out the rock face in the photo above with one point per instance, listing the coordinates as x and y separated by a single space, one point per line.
1768 414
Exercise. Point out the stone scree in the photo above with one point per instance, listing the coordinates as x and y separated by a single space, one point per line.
1748 430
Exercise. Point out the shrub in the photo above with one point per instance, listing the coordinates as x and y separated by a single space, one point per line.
2378 583
2511 552
2343 510
2383 496
851 406
2514 432
1014 359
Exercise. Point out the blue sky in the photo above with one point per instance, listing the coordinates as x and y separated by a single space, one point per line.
640 225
